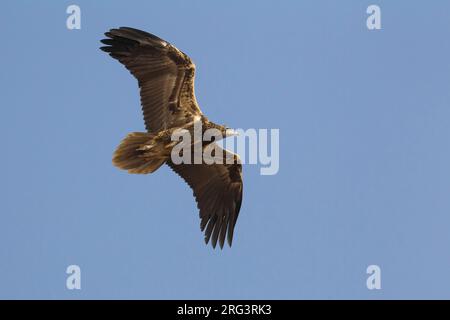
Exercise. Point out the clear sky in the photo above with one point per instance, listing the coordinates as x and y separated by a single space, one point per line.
364 177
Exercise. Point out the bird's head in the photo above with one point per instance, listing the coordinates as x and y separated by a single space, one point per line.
229 132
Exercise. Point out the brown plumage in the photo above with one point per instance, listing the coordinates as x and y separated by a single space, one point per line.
166 80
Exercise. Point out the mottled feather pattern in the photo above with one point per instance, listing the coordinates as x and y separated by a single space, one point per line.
166 78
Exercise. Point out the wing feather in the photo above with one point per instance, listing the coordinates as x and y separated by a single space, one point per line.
218 191
165 76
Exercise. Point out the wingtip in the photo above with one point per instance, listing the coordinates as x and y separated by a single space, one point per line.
214 243
230 238
207 242
142 33
221 244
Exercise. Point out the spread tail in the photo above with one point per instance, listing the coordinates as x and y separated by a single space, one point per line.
138 153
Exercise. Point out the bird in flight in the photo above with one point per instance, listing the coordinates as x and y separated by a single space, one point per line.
166 80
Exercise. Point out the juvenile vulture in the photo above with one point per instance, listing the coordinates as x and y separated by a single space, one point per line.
166 80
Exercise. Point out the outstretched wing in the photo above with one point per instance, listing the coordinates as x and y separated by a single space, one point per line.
164 73
218 192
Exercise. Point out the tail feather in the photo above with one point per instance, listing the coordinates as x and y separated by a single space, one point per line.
133 154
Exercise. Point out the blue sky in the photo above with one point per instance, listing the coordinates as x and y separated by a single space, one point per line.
364 178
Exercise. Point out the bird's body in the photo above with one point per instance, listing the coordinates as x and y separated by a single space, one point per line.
166 80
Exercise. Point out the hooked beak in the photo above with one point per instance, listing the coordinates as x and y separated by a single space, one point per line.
231 132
